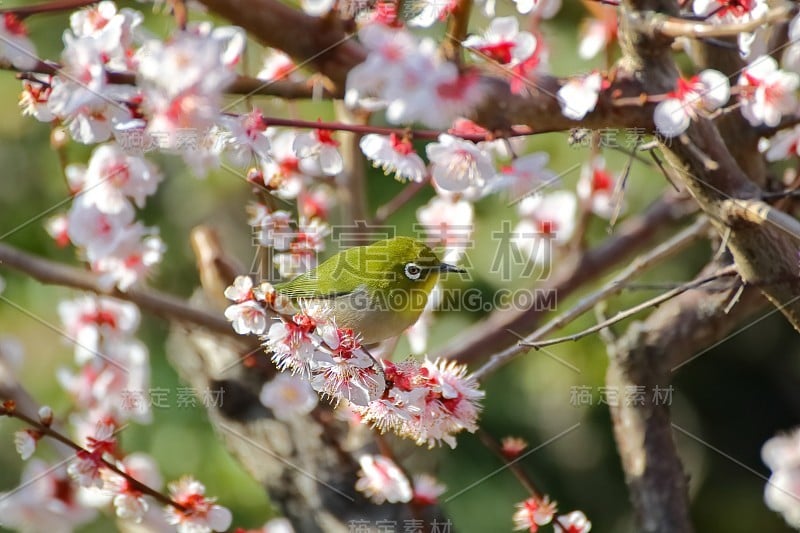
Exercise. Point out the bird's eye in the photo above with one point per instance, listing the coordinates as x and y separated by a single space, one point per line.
412 271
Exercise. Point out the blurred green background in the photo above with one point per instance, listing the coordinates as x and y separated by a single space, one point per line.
734 397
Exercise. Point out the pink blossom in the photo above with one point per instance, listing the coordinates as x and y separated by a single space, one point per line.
112 29
427 490
543 9
575 522
15 46
46 500
525 175
381 480
278 66
288 396
202 515
97 233
92 321
457 164
35 98
578 96
432 11
733 12
192 100
56 227
394 155
320 145
782 455
785 144
113 177
130 503
705 92
597 34
247 139
547 220
25 442
284 173
533 513
447 222
135 253
247 318
503 42
596 187
766 92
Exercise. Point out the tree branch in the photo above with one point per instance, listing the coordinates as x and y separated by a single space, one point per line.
163 305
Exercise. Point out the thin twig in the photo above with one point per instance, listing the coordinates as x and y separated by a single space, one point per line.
661 252
622 315
8 409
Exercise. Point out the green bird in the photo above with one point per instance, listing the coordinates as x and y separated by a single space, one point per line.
377 290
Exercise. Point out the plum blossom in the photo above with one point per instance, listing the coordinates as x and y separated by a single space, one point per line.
512 447
95 232
93 321
103 386
410 78
525 175
579 96
284 174
503 42
431 11
246 315
766 93
575 522
389 49
136 252
246 138
782 455
790 60
85 469
381 480
447 222
597 33
596 187
113 30
543 9
57 228
305 243
427 489
81 95
785 144
113 177
320 146
15 46
732 12
288 396
395 155
25 442
46 500
429 402
278 66
547 220
457 164
129 503
202 515
532 513
205 58
705 92
35 98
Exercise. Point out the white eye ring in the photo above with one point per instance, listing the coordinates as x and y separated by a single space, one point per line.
412 271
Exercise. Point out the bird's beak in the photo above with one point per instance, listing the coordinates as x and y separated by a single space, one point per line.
444 267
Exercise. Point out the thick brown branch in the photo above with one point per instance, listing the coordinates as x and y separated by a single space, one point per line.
643 359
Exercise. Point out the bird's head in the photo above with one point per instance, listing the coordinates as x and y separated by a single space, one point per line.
406 262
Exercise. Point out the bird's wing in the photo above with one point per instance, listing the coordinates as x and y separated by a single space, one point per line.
307 287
